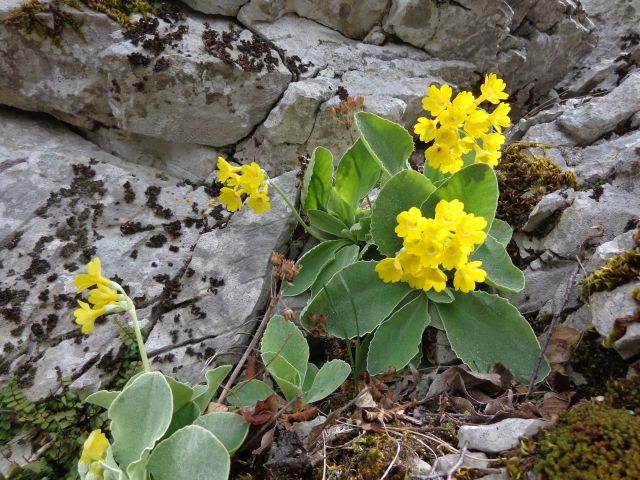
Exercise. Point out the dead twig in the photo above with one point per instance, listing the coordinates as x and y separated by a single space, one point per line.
393 461
458 464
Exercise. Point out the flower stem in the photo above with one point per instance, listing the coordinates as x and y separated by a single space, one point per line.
136 328
294 210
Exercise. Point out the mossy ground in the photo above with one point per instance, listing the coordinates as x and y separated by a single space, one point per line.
523 179
590 442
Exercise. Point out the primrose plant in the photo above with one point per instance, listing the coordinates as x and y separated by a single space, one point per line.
414 257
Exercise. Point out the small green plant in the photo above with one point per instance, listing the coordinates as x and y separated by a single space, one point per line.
384 270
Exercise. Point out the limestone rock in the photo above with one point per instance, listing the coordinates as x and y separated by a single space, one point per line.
544 38
183 94
498 437
352 18
63 201
609 308
600 115
219 7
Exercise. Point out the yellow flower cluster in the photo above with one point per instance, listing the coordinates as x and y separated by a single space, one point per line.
247 179
460 126
430 243
103 297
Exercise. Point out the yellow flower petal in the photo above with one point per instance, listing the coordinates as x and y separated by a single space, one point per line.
94 447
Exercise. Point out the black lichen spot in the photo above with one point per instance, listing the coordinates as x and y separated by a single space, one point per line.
173 228
174 249
161 64
156 241
137 59
130 228
12 240
597 192
39 266
134 254
129 193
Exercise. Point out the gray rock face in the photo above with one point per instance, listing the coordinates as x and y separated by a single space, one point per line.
505 37
185 94
219 7
498 437
63 201
353 18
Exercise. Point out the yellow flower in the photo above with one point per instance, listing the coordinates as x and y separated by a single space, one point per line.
499 118
389 270
86 316
410 263
252 177
464 101
447 136
493 89
492 141
103 296
470 230
437 99
410 223
437 154
259 202
425 128
449 214
429 278
225 170
452 117
94 447
231 199
478 123
91 278
455 254
491 158
467 275
430 252
465 145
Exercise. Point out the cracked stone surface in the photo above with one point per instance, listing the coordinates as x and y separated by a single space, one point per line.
64 201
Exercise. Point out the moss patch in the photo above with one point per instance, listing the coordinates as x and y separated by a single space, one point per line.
523 179
591 442
617 271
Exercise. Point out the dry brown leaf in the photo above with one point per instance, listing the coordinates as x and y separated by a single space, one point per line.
216 407
553 404
562 343
304 415
479 388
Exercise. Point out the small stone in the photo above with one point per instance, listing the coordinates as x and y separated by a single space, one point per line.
498 437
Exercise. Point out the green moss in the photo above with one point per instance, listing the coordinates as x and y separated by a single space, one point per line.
31 16
523 179
596 363
617 271
365 459
623 393
591 442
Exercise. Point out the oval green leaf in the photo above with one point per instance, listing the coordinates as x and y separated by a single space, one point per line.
326 222
230 428
476 186
190 453
387 141
344 257
312 264
328 379
501 272
404 190
398 339
318 180
286 340
247 393
358 172
501 231
355 301
202 394
485 329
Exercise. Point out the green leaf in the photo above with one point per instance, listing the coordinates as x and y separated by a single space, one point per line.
486 329
398 339
476 186
191 453
139 417
230 428
317 181
344 257
312 371
284 339
445 296
339 207
312 264
355 301
358 172
404 190
501 231
246 394
102 398
434 314
286 375
328 379
501 272
182 417
180 392
202 394
326 222
387 141
435 175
